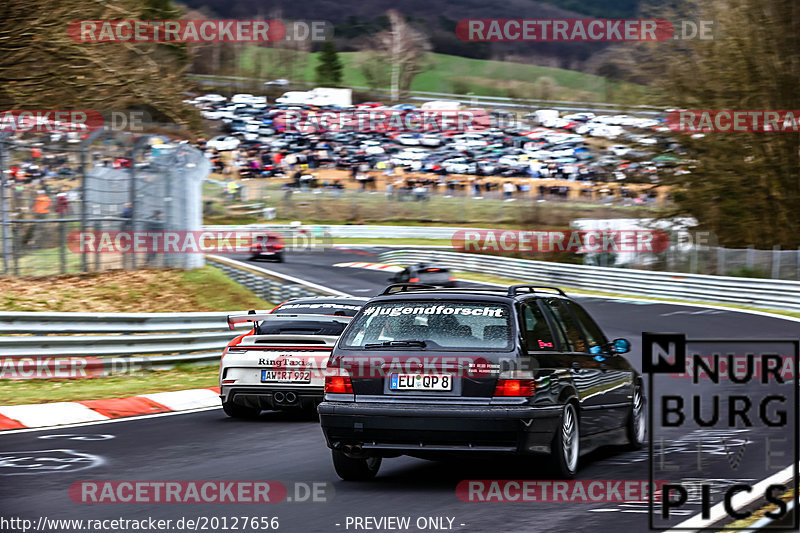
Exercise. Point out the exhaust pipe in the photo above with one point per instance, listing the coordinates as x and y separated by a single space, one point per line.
291 397
279 397
353 450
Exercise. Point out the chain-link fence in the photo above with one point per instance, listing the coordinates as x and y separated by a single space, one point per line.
62 195
743 262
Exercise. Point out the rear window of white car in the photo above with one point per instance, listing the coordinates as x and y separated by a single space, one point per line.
440 325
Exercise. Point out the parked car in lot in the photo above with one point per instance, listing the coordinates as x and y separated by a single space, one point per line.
279 363
223 143
523 370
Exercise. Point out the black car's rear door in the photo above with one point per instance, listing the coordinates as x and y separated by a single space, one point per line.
618 372
590 376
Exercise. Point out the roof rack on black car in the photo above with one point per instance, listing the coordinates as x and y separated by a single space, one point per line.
405 287
514 289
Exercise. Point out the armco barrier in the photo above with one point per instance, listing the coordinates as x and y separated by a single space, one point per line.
239 82
348 231
267 284
126 340
764 293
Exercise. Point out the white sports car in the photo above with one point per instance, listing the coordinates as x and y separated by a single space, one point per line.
280 363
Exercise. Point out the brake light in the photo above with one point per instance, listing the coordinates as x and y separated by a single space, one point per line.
338 385
514 387
451 278
413 280
278 246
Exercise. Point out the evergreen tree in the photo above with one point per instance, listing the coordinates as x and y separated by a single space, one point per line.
329 69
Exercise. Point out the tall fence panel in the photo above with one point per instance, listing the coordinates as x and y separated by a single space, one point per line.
57 190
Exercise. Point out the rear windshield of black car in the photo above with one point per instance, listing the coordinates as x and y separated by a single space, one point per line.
448 326
326 308
306 327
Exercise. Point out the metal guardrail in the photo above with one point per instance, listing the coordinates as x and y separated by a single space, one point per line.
764 293
268 284
349 230
132 340
467 99
90 323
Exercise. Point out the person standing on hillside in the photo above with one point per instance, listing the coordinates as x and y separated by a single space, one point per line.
41 204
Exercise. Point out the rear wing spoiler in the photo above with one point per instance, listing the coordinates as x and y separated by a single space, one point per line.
234 320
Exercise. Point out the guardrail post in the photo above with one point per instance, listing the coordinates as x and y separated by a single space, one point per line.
776 261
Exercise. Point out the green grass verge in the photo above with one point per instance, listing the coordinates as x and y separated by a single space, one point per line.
447 74
30 391
472 276
152 291
376 208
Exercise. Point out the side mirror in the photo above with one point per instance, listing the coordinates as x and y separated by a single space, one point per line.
621 346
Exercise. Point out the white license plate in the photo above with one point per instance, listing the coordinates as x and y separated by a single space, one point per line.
285 376
434 382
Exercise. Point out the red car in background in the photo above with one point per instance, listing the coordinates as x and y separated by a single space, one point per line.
270 245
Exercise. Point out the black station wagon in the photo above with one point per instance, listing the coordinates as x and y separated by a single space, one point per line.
426 372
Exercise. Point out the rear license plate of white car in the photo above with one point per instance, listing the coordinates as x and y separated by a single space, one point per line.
431 382
285 376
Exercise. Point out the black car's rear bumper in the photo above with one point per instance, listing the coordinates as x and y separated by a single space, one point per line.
421 428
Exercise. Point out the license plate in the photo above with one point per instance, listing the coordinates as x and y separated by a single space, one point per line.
434 382
285 376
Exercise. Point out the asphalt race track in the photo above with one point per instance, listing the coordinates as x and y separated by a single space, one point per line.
208 445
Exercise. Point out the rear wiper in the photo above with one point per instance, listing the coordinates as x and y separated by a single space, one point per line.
394 344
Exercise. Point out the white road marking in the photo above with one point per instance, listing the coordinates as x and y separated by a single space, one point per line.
70 436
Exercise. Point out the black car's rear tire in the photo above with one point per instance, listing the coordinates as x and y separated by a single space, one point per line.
350 469
565 450
279 258
637 420
240 411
